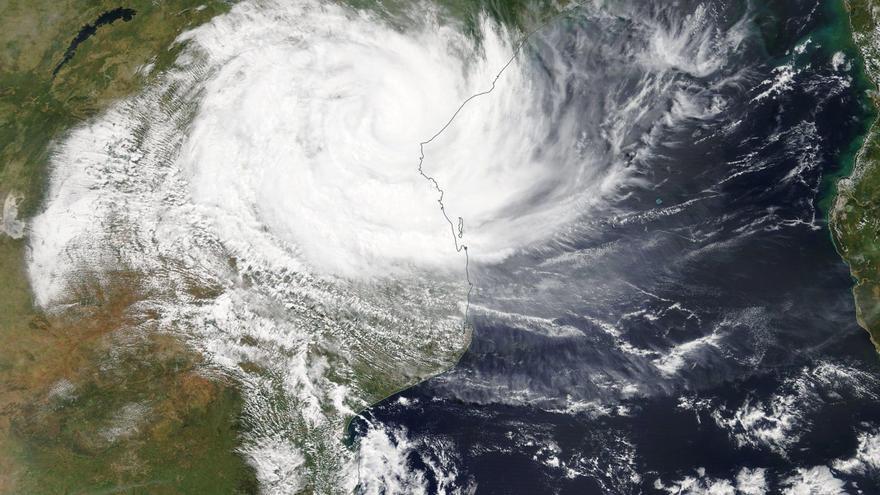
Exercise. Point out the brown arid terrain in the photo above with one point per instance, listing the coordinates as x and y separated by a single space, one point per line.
88 403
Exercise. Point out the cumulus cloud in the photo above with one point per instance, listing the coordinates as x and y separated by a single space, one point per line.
866 459
747 482
818 480
385 465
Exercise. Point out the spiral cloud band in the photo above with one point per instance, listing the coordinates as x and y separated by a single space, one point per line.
316 127
316 168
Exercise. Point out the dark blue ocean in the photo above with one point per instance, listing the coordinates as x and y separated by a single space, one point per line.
698 331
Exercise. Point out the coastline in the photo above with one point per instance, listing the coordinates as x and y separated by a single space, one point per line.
855 214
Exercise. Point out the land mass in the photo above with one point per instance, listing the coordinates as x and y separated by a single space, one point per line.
86 406
855 215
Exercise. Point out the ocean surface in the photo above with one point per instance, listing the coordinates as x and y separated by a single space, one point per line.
696 331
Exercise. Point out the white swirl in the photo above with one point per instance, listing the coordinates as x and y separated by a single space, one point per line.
313 121
286 142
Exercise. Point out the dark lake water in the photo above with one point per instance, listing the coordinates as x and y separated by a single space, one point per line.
89 30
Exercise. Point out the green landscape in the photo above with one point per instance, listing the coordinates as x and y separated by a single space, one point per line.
68 379
87 406
84 405
855 216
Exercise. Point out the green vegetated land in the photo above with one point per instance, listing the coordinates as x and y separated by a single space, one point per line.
85 406
855 216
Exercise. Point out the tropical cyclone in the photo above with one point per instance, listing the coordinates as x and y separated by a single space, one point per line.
267 190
